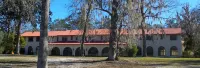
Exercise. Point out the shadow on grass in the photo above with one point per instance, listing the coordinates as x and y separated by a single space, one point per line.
187 62
173 63
85 61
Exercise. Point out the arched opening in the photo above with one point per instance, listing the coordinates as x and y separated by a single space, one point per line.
139 53
37 49
149 51
105 51
67 51
30 50
173 51
55 51
78 51
161 51
93 51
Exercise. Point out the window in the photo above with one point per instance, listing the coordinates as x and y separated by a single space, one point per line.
64 38
161 36
101 37
57 38
71 37
76 38
30 39
89 38
140 37
173 37
148 37
37 39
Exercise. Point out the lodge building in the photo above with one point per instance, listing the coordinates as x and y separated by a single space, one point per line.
160 42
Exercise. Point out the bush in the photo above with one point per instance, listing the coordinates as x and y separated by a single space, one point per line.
2 49
132 51
188 54
197 53
22 42
8 44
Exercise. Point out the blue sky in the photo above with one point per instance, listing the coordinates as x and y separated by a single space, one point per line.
60 10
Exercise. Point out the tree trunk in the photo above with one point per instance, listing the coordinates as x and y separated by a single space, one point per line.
113 31
142 26
118 39
83 40
83 20
8 26
144 41
43 44
18 37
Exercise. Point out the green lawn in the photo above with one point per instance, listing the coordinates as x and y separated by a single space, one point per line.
33 59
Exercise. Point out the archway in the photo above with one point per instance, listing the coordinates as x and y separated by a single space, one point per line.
161 51
173 51
55 51
78 51
93 51
139 53
105 51
30 50
149 51
67 51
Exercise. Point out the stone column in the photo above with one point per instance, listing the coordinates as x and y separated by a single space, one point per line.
26 50
34 50
99 51
73 51
155 51
86 51
167 51
61 50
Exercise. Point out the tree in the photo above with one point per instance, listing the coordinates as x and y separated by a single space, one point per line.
103 8
189 21
149 9
17 12
8 43
1 36
59 24
43 44
85 20
172 23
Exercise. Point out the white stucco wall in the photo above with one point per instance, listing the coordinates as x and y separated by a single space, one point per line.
155 44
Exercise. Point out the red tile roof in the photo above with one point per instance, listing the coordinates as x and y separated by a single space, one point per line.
107 43
104 32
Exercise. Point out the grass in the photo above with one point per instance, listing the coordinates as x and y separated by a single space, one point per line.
192 61
96 62
33 59
157 59
18 59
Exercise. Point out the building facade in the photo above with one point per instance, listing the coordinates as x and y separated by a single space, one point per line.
160 42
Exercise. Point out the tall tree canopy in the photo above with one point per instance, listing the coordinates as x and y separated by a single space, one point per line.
190 24
14 13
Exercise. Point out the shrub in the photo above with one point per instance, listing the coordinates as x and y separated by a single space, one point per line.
2 49
188 54
8 44
197 53
22 42
132 51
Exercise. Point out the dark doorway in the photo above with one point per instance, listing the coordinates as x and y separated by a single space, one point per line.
93 51
67 51
55 51
149 51
30 50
